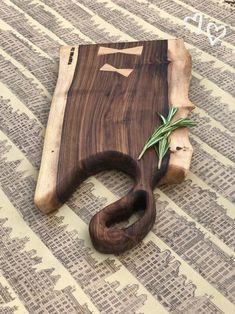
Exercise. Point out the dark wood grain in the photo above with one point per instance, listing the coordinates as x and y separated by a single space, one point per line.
102 112
108 118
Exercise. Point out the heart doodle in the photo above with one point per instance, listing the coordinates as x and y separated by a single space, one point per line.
213 39
196 18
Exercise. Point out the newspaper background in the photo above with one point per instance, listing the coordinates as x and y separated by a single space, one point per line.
47 262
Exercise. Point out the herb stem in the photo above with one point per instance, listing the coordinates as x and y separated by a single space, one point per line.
159 138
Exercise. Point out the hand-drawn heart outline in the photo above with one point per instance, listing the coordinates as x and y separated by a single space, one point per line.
217 28
195 19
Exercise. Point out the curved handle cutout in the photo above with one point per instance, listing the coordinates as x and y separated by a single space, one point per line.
105 238
115 240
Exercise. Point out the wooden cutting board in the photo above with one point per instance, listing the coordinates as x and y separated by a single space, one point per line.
103 111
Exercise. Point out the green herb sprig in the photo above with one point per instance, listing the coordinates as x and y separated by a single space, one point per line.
159 138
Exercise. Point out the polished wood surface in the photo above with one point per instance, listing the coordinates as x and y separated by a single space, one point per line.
107 110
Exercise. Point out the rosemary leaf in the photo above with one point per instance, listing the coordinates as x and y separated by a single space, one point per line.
171 114
162 150
159 138
163 119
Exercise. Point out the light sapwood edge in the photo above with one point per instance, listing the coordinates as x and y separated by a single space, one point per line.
179 76
45 195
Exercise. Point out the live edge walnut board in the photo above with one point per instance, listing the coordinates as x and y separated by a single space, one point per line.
103 111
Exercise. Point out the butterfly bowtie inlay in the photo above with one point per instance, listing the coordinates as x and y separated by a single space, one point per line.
131 51
110 68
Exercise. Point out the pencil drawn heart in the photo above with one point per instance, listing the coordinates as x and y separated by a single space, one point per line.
212 27
196 18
